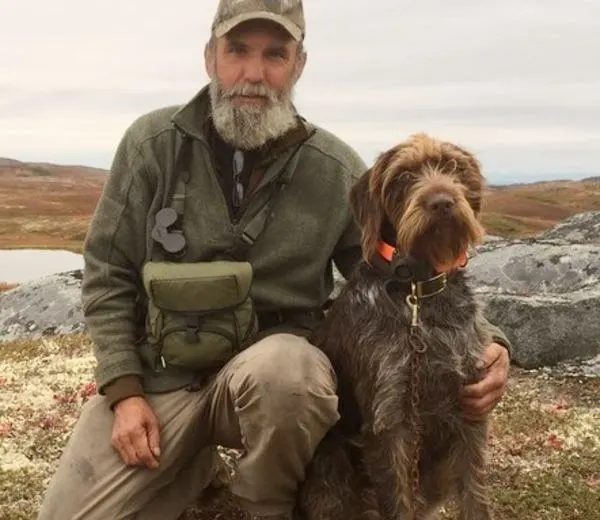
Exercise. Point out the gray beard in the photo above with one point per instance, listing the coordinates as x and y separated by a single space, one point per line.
248 128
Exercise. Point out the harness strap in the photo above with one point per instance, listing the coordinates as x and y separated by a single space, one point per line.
178 203
166 225
253 229
169 240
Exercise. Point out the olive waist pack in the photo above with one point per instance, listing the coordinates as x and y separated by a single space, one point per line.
199 314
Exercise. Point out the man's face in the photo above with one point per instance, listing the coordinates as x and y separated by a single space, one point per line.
253 70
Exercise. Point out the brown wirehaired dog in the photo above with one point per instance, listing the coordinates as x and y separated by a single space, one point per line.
404 335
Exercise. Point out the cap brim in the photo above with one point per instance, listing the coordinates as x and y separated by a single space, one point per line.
224 27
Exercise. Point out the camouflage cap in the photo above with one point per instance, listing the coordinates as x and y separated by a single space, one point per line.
287 13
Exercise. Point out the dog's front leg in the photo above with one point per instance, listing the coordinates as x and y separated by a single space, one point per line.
473 496
387 461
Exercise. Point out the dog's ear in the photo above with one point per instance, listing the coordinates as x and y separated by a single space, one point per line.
367 204
471 175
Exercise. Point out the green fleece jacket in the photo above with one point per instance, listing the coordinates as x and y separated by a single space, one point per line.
292 259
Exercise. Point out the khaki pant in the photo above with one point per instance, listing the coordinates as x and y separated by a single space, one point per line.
275 400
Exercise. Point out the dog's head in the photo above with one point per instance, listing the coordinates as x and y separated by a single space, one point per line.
429 192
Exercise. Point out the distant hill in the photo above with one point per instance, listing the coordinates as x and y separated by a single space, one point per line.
10 167
4 162
527 209
46 205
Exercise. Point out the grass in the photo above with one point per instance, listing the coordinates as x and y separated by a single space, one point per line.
19 492
544 442
18 350
36 232
545 450
40 171
528 209
508 226
57 216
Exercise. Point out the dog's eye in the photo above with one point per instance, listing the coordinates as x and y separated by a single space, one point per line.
407 177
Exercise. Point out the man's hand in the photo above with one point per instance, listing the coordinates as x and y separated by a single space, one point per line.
135 433
480 398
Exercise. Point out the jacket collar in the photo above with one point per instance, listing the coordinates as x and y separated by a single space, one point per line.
193 117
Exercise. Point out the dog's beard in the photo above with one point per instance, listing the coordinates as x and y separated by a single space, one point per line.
441 241
249 127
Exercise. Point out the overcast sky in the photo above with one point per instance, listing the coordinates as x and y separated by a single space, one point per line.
516 81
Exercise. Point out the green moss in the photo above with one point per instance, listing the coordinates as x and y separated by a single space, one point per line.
20 493
557 493
529 477
24 349
39 171
504 225
47 444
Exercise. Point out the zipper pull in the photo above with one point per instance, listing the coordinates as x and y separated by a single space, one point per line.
160 363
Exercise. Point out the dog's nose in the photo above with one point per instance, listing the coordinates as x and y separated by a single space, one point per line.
441 203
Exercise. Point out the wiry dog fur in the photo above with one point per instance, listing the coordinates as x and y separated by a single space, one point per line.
423 196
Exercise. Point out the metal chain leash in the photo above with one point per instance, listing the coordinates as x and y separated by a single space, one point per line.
416 381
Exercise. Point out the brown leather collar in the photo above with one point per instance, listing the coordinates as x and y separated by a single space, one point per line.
422 288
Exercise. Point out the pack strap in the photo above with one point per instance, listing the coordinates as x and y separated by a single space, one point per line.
254 228
167 230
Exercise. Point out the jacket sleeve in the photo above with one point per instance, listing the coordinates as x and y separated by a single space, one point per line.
114 251
496 334
348 251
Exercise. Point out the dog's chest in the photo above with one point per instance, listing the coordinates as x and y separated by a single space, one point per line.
442 350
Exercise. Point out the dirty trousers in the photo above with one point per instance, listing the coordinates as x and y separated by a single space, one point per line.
275 401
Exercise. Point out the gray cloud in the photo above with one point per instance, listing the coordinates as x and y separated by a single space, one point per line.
516 81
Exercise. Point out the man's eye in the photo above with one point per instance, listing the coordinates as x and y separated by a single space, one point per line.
276 53
236 50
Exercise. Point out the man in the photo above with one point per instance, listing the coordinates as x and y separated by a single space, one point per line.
139 449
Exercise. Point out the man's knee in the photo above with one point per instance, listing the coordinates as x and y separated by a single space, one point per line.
289 376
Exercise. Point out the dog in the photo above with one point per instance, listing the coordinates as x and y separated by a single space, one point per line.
404 335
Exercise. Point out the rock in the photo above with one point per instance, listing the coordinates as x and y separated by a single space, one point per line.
545 296
47 306
543 293
582 228
579 368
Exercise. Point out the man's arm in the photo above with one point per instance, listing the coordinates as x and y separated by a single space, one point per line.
480 398
114 250
348 251
346 257
496 334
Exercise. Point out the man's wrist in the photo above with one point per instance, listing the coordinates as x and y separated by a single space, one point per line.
123 388
503 343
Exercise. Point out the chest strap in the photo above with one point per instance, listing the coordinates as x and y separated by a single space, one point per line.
167 227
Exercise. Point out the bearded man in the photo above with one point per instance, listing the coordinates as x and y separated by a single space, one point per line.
191 186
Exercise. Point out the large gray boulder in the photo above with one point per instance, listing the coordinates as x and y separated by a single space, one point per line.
46 306
544 295
582 228
544 292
